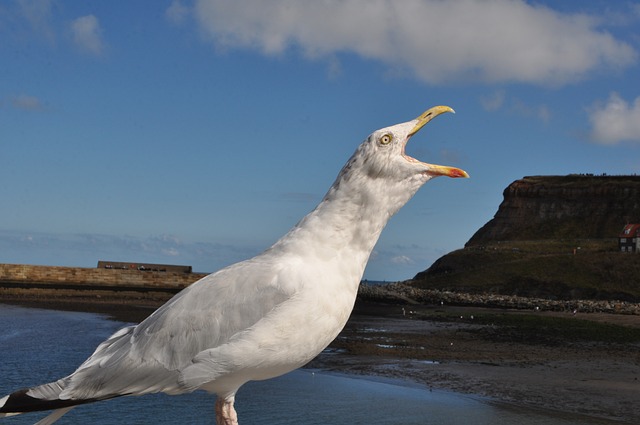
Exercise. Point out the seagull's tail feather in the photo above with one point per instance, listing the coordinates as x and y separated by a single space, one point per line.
43 397
53 417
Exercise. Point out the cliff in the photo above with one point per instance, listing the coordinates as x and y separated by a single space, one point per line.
553 237
560 207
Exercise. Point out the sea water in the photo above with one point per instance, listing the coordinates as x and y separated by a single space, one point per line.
38 346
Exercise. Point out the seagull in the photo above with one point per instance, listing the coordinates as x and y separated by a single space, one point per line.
262 317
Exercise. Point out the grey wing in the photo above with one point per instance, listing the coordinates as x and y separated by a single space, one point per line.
149 357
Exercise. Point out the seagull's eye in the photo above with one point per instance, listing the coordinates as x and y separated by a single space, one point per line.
386 139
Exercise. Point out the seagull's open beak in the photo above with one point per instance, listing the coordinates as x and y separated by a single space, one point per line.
421 121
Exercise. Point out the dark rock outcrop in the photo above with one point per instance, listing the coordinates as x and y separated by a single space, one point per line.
563 207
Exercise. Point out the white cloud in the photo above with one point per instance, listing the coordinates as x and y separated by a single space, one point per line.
543 113
26 102
523 109
177 13
38 14
494 101
501 101
402 259
86 249
615 121
171 252
436 41
87 34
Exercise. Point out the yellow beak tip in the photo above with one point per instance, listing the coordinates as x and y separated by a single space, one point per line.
460 173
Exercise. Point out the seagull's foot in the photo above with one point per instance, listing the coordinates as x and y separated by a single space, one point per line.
225 413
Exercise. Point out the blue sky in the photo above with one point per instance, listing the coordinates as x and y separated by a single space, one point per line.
198 132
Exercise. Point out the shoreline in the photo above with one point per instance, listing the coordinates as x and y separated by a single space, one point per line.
401 292
467 355
430 346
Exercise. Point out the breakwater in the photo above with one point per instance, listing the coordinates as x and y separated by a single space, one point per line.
40 282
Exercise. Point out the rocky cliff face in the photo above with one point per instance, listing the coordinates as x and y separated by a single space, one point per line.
563 207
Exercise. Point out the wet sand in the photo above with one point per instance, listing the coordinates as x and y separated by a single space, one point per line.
447 348
461 349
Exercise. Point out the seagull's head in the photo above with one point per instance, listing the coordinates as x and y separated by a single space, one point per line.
382 155
381 169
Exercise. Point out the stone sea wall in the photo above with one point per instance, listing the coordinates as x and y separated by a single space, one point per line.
22 280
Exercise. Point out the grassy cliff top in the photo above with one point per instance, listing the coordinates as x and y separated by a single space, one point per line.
567 269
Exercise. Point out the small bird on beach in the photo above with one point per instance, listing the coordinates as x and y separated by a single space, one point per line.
262 317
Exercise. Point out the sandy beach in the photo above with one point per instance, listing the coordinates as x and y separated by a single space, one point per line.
537 359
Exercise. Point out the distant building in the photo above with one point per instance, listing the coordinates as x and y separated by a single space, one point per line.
629 239
144 267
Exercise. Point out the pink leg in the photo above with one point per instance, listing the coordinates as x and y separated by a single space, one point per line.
225 413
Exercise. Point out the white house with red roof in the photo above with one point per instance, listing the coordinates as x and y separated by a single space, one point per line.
629 239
